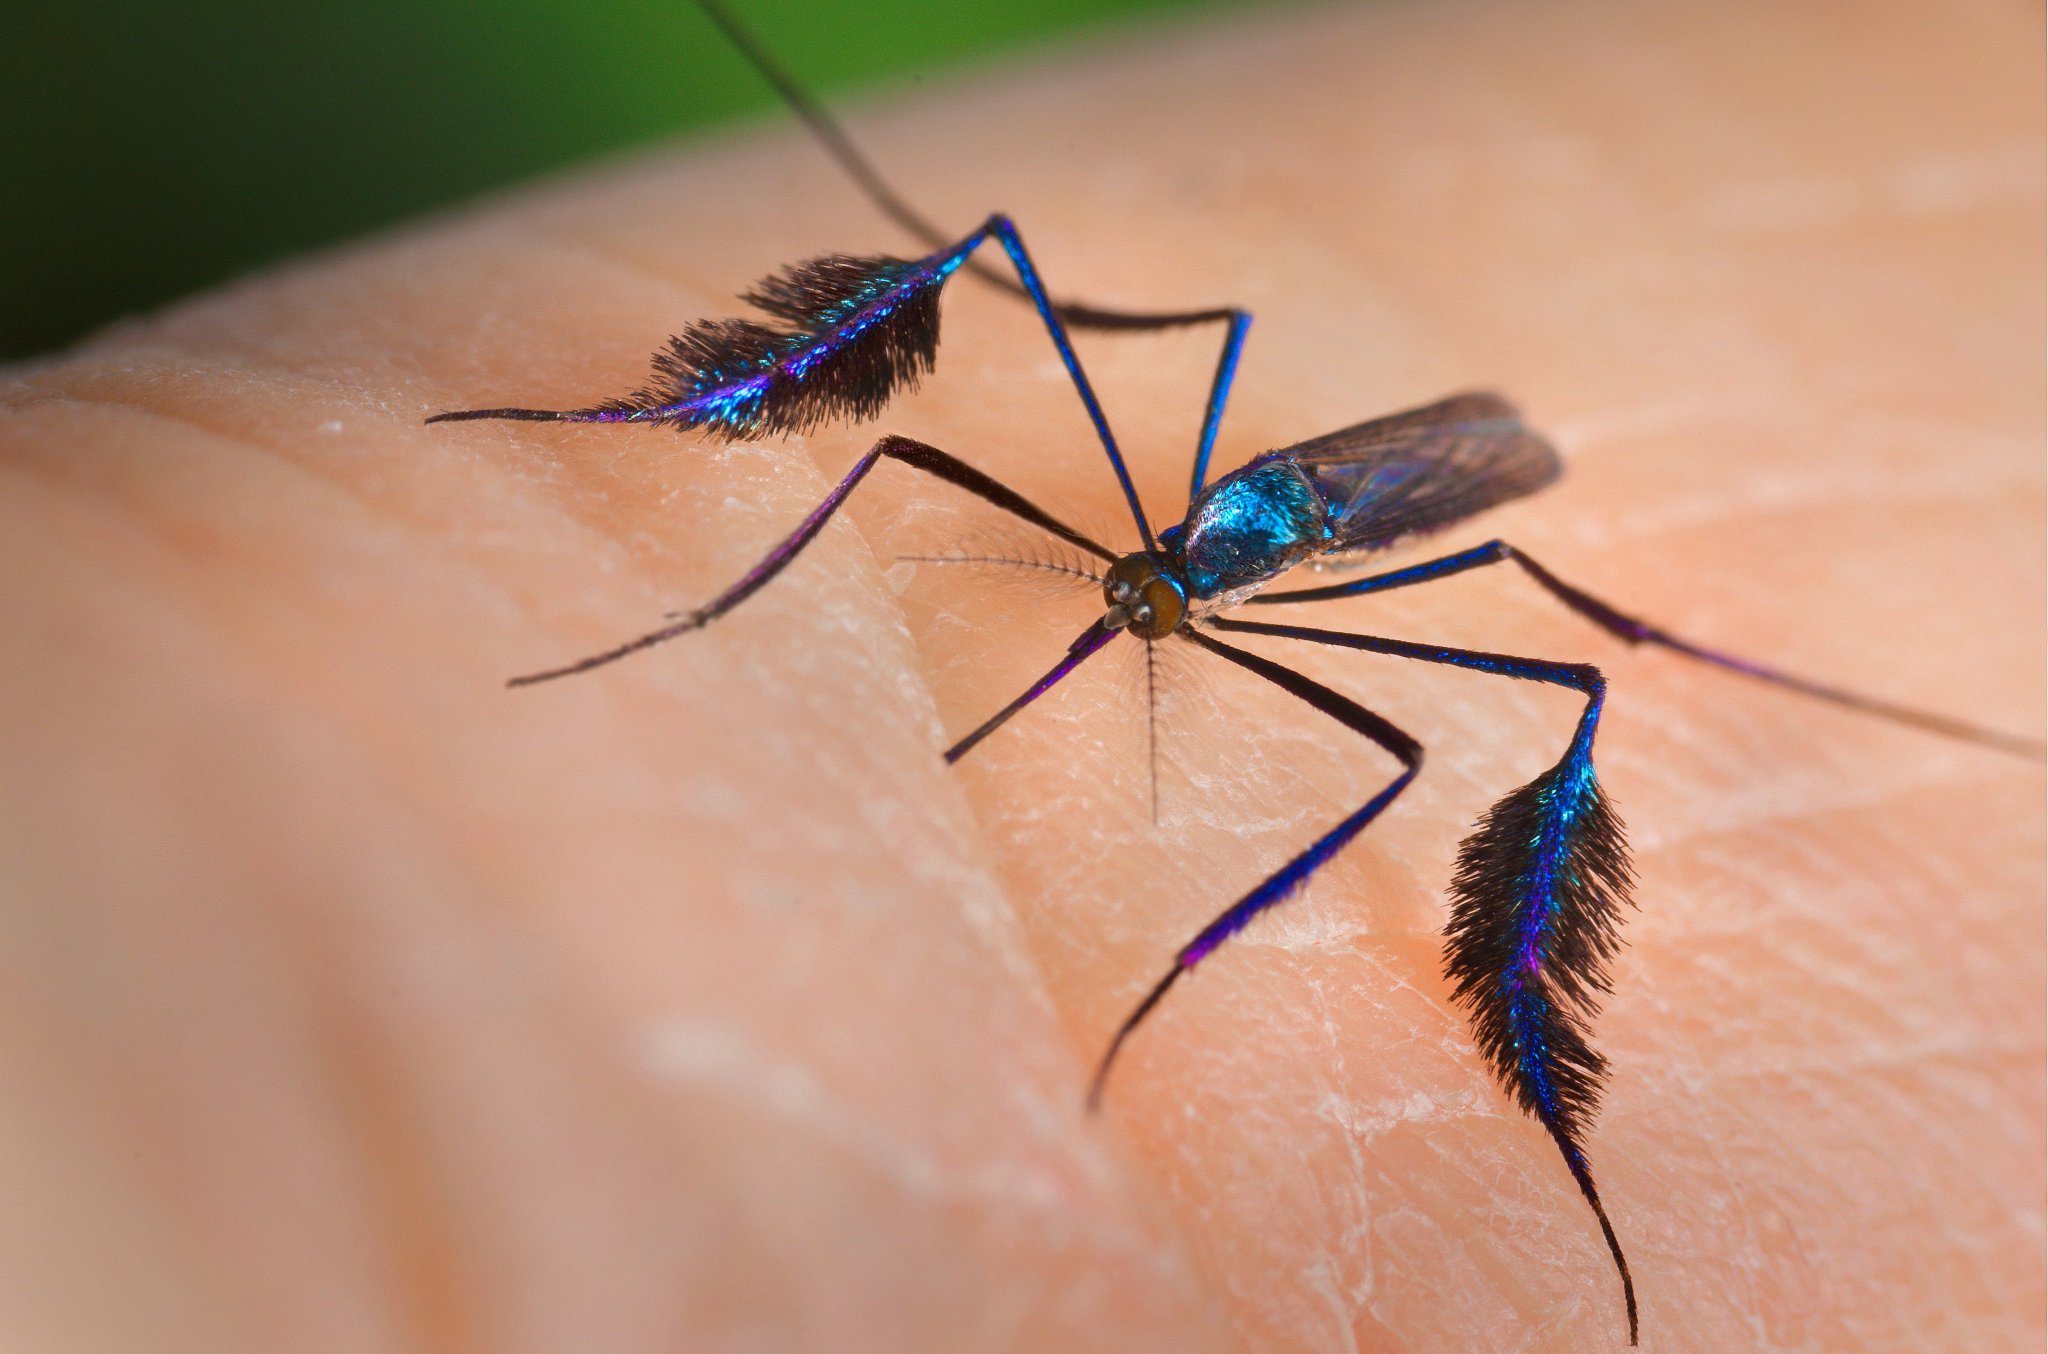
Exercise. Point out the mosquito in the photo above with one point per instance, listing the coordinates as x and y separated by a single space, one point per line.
1539 887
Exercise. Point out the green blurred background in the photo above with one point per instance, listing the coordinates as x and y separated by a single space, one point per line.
151 149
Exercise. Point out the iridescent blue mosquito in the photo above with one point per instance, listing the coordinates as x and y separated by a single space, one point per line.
1539 886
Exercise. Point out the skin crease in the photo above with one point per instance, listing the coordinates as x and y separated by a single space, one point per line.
351 1002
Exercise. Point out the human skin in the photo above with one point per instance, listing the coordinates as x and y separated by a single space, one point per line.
351 1002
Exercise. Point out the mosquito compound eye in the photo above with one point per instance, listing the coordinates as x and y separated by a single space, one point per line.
1162 608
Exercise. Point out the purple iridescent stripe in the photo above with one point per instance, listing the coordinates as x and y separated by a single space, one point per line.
727 401
1522 985
1290 878
1090 642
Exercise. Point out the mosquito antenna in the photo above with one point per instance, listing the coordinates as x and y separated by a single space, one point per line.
830 135
1073 569
839 146
1152 722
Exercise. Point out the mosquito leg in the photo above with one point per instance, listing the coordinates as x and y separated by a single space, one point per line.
1641 632
916 455
1088 643
1580 677
1295 873
1219 395
840 147
1005 231
1537 899
718 376
1493 552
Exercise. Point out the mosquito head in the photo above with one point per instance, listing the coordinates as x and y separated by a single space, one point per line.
1145 596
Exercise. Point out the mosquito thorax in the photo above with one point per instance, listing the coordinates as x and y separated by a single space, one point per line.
1145 596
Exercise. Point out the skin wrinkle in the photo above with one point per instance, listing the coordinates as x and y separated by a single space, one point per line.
1782 830
1399 235
1747 1300
419 1234
52 471
1960 183
124 1229
1342 1114
201 327
122 1154
335 479
1790 492
715 1057
687 288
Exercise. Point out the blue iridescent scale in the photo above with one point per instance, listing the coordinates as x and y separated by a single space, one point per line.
1249 527
1541 884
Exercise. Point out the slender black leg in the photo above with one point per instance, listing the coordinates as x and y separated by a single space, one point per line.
1219 385
1088 643
1295 873
1578 676
1641 632
1219 395
916 455
757 392
1027 272
1535 918
869 180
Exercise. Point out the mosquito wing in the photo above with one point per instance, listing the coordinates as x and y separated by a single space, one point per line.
1422 470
